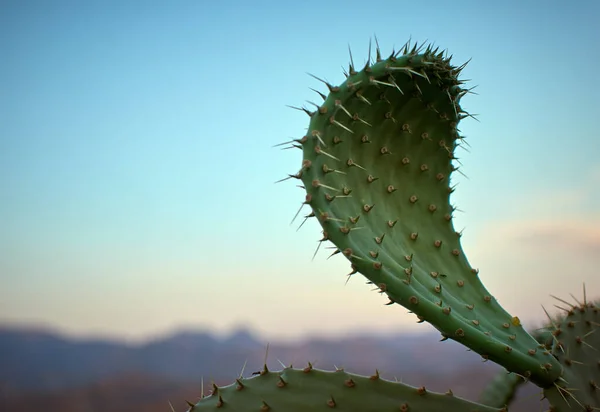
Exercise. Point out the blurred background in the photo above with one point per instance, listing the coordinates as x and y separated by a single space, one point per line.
144 245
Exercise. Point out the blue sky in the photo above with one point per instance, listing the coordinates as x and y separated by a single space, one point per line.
136 167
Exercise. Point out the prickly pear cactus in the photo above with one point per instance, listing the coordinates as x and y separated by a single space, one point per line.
377 161
577 348
574 339
501 391
309 389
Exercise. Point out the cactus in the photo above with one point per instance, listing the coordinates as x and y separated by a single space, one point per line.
577 347
503 387
501 390
377 163
310 389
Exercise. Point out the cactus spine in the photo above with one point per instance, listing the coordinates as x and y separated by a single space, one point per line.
376 167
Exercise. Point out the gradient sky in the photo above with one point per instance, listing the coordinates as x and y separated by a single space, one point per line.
136 167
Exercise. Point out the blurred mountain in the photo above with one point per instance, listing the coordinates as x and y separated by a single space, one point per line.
93 375
43 361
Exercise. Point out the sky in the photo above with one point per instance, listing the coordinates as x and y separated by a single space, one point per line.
137 169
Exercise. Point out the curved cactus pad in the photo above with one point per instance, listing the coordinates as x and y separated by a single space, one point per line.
501 391
310 389
377 160
577 346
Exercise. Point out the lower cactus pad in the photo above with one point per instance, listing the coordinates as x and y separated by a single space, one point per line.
309 389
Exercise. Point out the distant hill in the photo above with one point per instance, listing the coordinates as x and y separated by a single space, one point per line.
109 376
36 360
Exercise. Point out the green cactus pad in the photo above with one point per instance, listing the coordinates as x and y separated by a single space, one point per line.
309 389
377 161
577 347
501 391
